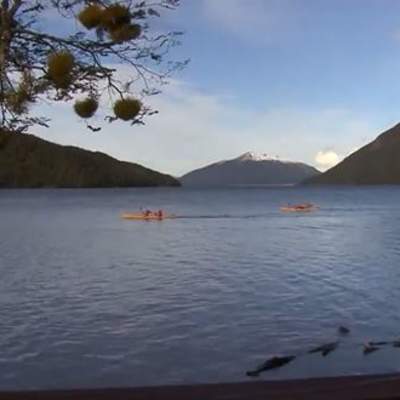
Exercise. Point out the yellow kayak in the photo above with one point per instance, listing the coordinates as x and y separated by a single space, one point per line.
141 217
293 209
299 208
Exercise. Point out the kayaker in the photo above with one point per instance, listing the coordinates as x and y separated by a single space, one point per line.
160 214
147 213
304 206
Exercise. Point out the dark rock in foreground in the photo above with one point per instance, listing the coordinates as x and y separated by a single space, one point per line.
27 161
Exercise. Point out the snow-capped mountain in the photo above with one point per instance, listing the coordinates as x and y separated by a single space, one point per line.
253 156
250 169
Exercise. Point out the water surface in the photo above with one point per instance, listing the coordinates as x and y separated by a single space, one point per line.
90 300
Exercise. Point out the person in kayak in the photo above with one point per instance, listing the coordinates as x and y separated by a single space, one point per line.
304 206
147 213
160 214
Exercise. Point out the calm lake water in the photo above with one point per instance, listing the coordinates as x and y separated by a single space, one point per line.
90 300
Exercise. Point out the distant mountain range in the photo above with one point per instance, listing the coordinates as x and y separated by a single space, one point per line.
376 163
27 161
250 169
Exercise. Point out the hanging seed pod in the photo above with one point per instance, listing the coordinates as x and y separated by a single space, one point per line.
115 16
60 64
127 109
91 16
86 108
126 33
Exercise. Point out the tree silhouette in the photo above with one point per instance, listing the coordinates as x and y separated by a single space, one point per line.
81 60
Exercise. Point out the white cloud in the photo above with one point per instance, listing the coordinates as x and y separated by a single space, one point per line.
327 159
196 128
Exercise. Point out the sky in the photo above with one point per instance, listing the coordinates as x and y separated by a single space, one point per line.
305 80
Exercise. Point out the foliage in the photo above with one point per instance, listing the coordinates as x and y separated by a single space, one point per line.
59 50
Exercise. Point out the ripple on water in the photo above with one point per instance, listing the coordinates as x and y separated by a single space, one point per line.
90 300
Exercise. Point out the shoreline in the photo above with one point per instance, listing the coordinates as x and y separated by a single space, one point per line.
356 387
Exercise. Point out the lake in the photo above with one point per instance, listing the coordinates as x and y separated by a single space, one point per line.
90 300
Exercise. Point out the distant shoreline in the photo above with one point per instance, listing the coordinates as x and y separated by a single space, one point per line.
190 187
87 187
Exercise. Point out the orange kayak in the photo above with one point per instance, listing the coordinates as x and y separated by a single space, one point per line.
141 217
299 208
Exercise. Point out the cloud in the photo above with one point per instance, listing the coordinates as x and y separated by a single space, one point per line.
195 128
261 21
327 159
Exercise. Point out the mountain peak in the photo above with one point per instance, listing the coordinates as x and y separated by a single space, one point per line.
253 156
249 169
